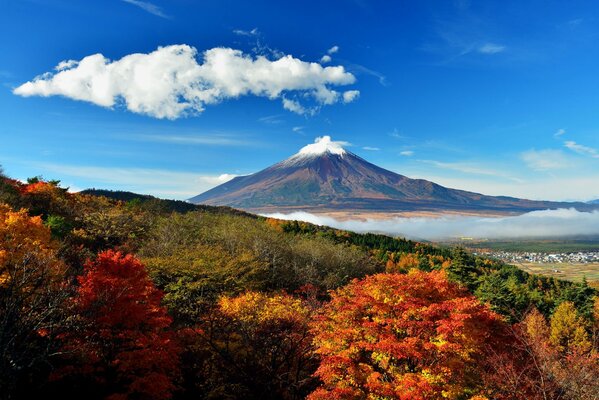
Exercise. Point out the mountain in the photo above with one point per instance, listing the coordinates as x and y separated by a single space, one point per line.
594 201
324 177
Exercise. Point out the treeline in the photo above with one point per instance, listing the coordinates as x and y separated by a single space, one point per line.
507 289
132 297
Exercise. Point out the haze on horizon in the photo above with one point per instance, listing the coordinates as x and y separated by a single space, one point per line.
173 98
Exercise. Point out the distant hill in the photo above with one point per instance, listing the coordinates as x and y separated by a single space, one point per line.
158 204
594 201
324 177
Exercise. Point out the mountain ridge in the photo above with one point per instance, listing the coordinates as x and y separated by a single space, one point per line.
324 176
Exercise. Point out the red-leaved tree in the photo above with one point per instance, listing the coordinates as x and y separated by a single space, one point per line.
119 344
394 336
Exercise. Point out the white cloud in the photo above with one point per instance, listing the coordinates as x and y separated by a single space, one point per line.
66 64
544 223
325 59
148 7
368 148
298 129
157 182
350 95
170 83
296 107
543 160
406 153
491 48
323 145
580 149
241 32
559 132
333 50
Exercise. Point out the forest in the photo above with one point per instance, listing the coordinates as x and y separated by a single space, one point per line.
113 295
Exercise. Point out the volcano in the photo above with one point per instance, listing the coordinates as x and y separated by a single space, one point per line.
324 176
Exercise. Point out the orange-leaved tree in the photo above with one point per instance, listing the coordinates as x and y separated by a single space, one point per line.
120 345
31 295
394 336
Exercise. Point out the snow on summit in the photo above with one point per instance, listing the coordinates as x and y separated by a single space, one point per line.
323 145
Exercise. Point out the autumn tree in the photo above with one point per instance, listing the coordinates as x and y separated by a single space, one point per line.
575 362
119 345
552 359
393 336
253 346
31 296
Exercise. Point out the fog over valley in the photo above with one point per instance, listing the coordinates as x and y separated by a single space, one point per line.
536 224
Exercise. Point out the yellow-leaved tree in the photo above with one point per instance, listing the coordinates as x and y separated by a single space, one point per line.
31 295
255 346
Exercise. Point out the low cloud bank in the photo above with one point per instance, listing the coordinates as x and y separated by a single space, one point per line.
537 224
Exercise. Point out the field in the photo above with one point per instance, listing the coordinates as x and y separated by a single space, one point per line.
571 272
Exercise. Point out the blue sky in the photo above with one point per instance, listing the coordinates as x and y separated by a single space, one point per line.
498 97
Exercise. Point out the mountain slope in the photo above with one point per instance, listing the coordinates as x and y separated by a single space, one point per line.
324 176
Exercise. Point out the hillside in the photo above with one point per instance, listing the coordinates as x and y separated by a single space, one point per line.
197 298
325 177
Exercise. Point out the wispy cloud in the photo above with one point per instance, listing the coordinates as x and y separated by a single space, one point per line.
555 188
406 153
361 69
368 148
559 132
491 48
241 32
298 129
397 134
468 168
271 119
581 149
536 224
212 140
149 7
170 83
158 182
573 23
544 160
467 36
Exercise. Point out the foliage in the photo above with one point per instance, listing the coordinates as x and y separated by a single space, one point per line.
193 279
31 297
383 243
198 256
120 346
555 360
415 332
410 336
253 346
